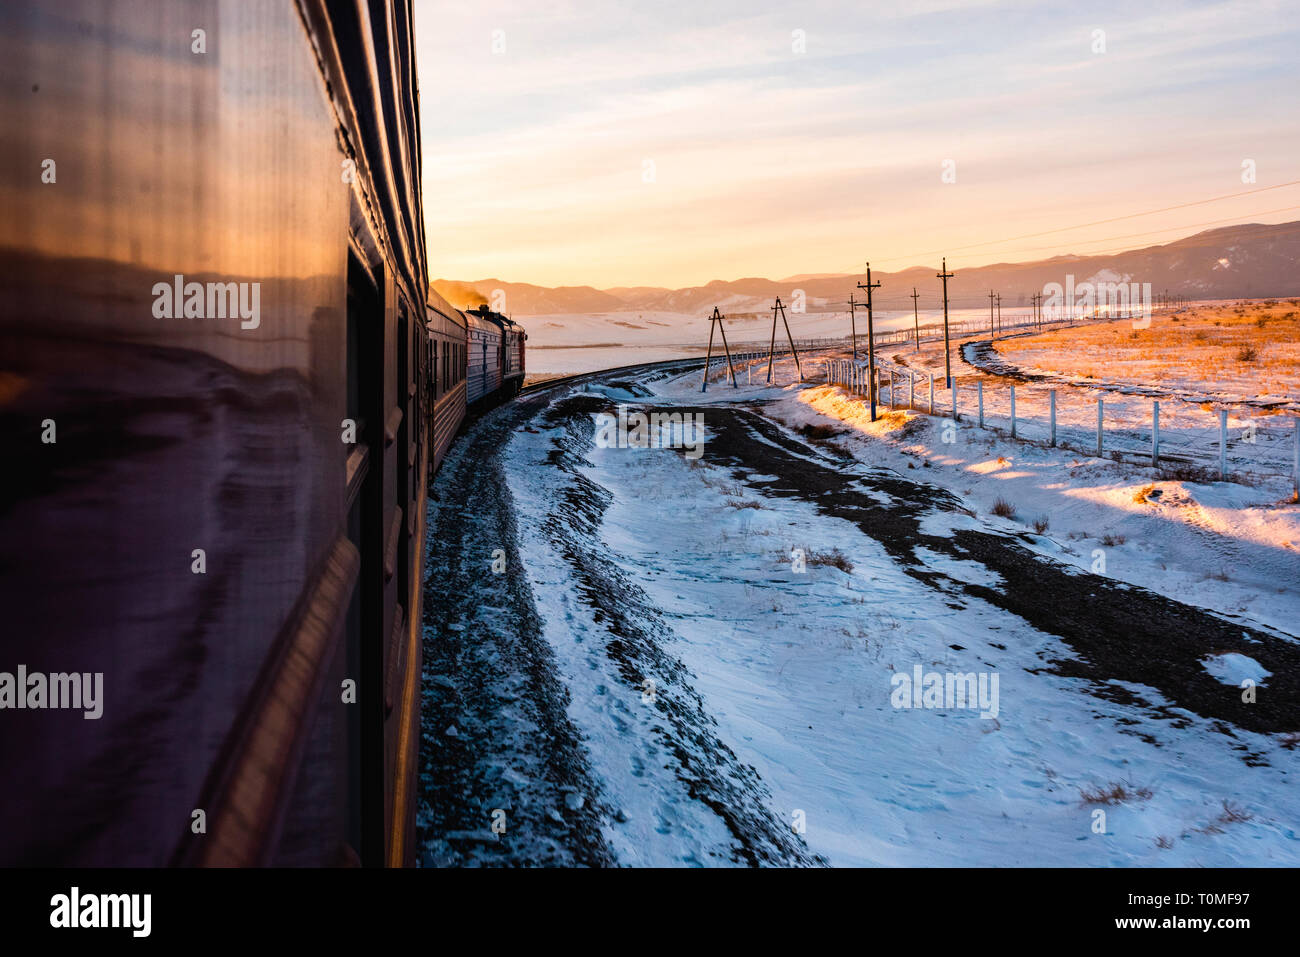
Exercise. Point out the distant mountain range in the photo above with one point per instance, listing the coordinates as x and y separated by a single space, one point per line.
1233 262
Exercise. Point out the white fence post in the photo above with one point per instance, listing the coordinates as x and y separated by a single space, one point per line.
1155 434
1051 395
954 398
1223 445
1013 411
932 393
911 389
1295 458
979 391
1100 402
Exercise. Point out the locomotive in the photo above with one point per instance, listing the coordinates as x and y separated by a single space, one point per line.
224 386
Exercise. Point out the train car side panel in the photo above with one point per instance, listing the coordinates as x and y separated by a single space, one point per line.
483 369
221 308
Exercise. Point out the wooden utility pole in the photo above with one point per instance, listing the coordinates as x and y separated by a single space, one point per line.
853 324
715 322
916 329
992 332
999 312
947 350
871 343
771 350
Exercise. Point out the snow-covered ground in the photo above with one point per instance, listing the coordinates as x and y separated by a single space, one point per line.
733 641
1195 352
1227 546
1261 442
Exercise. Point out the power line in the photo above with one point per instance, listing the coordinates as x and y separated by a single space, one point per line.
1152 232
1126 248
1098 222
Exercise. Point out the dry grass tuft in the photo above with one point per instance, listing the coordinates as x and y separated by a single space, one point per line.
1233 813
1004 509
819 432
1114 793
834 558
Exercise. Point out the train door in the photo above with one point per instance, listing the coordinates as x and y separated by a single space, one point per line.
365 370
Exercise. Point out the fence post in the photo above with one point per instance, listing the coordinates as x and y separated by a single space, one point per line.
1295 458
932 393
1155 434
892 405
1100 401
1013 411
1223 445
911 389
979 391
1051 395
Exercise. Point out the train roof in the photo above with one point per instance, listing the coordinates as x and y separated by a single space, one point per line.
445 309
482 315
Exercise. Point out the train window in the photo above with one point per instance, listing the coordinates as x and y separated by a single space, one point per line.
363 358
403 360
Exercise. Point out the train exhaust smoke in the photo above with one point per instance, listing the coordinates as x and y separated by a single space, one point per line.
460 294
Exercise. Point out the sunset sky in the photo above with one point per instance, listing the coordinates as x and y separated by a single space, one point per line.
766 161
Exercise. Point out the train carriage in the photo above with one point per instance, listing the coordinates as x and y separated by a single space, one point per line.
214 393
483 370
445 383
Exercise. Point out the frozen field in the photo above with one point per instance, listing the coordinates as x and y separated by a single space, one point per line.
587 342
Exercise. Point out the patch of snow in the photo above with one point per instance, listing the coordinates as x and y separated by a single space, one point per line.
1233 669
